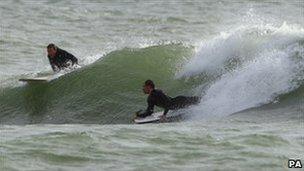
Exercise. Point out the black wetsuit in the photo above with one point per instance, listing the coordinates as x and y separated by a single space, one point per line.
62 59
158 98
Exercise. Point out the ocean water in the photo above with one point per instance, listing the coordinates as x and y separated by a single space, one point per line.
245 59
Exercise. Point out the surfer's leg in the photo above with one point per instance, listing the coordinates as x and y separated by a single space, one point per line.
183 101
193 100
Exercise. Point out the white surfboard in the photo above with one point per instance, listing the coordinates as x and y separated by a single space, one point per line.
47 77
37 79
152 118
155 117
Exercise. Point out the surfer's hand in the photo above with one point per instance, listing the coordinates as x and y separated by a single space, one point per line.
138 112
163 118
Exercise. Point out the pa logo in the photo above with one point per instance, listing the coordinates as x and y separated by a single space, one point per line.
294 163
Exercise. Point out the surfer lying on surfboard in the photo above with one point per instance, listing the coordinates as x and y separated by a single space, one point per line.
158 98
59 58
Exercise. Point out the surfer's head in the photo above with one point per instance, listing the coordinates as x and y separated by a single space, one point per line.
51 50
148 86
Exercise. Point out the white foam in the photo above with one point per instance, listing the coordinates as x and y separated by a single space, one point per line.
268 68
242 43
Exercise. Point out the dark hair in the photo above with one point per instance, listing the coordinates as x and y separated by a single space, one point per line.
149 83
51 45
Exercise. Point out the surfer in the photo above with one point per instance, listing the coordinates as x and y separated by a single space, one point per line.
59 58
158 98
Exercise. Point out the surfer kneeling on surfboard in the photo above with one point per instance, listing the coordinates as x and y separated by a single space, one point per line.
158 98
59 58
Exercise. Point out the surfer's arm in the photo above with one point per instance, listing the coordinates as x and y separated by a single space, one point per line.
73 59
70 57
150 107
52 64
